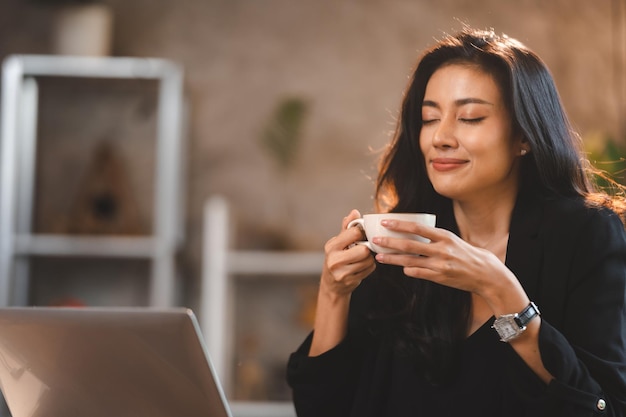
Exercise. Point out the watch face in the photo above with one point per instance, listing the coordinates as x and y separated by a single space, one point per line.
506 328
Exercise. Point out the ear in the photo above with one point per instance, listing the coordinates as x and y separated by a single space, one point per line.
522 146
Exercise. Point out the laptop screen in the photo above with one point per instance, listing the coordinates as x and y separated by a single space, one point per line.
106 362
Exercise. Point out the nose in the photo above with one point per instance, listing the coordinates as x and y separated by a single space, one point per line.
444 135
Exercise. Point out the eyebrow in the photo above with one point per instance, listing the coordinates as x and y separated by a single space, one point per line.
458 103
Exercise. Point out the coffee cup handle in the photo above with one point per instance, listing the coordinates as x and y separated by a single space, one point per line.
359 222
365 243
356 222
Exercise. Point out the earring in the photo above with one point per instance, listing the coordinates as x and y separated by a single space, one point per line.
523 152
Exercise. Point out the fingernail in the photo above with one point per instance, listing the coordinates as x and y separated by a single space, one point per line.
387 222
376 240
380 258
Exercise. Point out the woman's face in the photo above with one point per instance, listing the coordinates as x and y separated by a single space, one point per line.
466 137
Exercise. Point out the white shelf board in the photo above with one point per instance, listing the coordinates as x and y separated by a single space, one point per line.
262 409
96 246
274 262
93 67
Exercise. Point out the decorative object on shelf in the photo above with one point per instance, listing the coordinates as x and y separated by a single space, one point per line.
105 204
68 302
82 27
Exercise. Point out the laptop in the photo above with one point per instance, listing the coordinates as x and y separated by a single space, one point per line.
103 362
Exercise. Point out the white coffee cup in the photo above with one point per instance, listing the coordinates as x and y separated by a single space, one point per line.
370 223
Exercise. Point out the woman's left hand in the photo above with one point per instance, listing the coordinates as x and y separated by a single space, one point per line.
450 261
447 259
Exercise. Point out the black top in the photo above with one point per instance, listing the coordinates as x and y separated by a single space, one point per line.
480 377
571 260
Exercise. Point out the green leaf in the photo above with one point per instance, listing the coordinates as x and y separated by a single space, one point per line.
282 135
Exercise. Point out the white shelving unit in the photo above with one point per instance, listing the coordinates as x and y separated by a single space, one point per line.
18 242
221 265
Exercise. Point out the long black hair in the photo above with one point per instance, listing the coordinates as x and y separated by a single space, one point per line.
430 320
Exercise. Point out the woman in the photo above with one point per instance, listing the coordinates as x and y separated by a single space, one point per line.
484 143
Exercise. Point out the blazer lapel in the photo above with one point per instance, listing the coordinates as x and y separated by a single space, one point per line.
525 248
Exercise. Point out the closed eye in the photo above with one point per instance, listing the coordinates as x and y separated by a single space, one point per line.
475 120
428 121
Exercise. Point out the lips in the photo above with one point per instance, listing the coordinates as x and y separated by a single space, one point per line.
447 164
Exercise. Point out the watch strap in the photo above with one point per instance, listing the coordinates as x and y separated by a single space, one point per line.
526 315
510 326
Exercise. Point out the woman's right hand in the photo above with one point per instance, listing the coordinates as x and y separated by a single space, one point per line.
346 264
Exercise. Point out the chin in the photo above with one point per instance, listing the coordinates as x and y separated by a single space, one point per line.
448 191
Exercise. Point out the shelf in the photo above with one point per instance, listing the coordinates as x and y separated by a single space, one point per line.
94 67
222 268
242 262
64 245
18 164
262 409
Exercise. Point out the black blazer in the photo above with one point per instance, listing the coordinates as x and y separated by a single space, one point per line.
571 260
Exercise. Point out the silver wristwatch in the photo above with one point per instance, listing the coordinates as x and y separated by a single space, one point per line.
509 326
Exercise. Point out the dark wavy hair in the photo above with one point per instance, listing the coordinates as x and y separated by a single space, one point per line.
432 320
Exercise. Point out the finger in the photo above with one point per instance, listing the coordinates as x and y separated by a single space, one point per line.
349 272
422 273
429 232
366 271
413 266
344 260
360 269
406 260
344 240
352 256
406 246
354 214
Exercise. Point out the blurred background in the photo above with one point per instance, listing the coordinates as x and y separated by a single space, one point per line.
287 105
